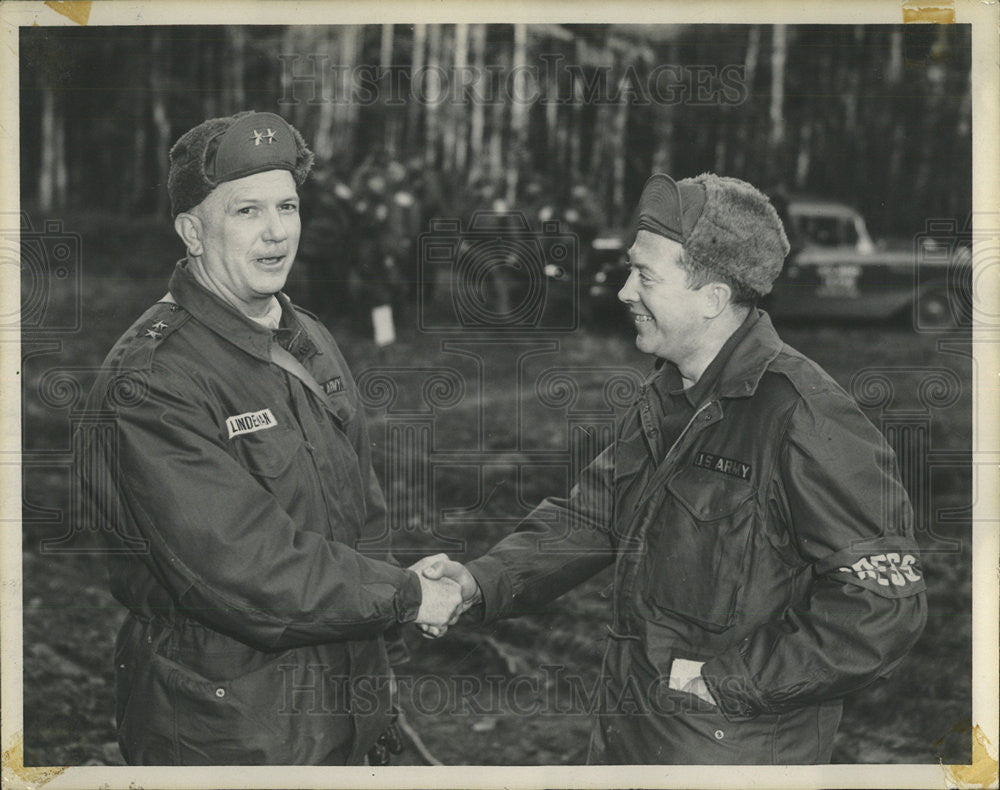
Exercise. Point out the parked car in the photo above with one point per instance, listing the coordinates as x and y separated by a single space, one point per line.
835 270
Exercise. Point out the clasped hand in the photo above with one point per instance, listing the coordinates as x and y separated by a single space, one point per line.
448 591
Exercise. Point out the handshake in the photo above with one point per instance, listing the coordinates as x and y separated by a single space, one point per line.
448 590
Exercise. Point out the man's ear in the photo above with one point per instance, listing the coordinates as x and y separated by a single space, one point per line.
717 296
189 227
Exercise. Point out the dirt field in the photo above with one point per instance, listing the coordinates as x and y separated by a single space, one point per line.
70 619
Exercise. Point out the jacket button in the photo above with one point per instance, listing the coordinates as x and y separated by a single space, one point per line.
719 735
221 692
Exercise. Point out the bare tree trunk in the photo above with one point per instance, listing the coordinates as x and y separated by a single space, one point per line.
576 143
894 72
721 145
47 171
385 47
62 174
518 112
459 110
497 125
552 147
896 154
238 38
805 153
139 150
161 120
289 47
851 92
621 125
934 111
479 92
752 56
328 108
561 152
744 136
389 112
779 52
964 116
352 44
601 139
663 125
432 89
416 68
208 76
446 116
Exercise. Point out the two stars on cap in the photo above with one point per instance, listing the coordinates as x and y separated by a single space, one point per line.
259 137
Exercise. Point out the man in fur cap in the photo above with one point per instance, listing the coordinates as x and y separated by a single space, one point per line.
762 542
237 489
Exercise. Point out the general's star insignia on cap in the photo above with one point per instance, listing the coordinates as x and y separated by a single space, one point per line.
154 334
259 137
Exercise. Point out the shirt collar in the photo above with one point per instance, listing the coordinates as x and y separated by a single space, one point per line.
228 322
737 367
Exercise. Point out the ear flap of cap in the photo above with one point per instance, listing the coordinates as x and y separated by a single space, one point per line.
693 199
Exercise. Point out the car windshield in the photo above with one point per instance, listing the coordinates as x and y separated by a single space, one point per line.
827 231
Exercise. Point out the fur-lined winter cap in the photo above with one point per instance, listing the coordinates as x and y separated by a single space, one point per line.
726 226
224 149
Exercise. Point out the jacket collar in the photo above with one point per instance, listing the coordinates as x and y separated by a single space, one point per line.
745 368
228 322
746 363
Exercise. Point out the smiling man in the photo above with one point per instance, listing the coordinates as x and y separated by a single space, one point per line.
762 542
237 486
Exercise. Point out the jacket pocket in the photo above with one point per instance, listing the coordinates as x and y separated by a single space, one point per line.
294 709
696 557
268 453
279 462
215 701
145 719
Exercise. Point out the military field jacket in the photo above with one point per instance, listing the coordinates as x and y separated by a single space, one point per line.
248 539
773 541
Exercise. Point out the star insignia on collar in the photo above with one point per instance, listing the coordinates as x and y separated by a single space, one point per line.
159 325
153 334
